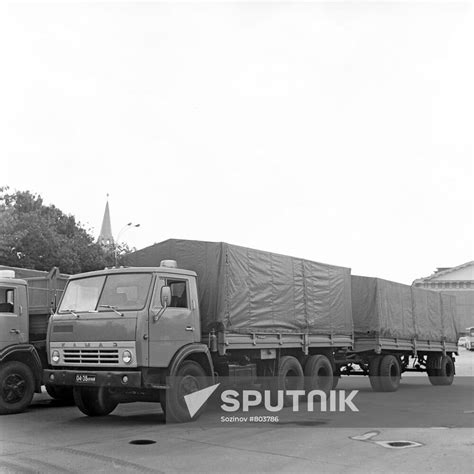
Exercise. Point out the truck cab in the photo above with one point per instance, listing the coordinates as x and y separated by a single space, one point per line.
118 333
14 324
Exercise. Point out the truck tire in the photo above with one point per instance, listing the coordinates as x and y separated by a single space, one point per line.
390 374
191 377
17 386
63 394
445 374
290 377
335 381
374 373
94 401
318 374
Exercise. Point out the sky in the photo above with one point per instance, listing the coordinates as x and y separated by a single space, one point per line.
340 132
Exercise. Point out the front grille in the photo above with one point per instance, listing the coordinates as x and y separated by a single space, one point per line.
91 356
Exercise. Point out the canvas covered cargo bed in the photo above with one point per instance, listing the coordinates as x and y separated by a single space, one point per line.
399 315
243 290
44 292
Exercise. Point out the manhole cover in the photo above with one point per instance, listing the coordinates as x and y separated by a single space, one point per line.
398 444
142 441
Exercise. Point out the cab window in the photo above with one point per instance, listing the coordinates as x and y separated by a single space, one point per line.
179 294
7 300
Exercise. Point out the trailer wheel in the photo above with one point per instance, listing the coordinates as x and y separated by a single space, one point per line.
94 401
445 374
290 377
63 394
374 373
318 374
390 374
17 386
335 381
190 377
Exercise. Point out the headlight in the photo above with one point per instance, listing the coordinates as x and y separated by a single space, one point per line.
55 357
126 357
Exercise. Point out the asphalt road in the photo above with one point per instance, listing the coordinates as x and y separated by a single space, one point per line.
51 438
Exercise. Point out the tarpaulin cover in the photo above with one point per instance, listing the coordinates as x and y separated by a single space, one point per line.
381 307
449 317
394 310
247 290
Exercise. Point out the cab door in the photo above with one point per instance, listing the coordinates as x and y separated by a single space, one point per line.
174 327
11 330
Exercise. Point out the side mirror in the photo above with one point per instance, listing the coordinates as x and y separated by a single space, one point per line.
165 296
165 299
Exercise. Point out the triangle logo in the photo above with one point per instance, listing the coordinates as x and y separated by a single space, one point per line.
194 401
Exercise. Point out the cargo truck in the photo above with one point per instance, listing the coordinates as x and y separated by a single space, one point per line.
122 334
27 300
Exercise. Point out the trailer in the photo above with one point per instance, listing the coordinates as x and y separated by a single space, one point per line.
398 328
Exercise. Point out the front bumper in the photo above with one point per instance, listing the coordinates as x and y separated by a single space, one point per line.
89 378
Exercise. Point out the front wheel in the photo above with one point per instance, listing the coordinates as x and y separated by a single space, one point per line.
94 401
17 386
190 378
390 374
374 373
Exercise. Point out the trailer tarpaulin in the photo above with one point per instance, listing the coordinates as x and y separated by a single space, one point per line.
381 307
247 290
394 310
427 314
449 317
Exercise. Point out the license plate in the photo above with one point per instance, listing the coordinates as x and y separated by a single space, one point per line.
85 378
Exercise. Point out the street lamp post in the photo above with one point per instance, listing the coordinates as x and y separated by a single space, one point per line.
124 228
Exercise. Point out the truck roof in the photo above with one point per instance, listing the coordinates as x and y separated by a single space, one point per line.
13 281
114 270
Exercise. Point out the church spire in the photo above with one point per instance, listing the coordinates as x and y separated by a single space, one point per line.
106 238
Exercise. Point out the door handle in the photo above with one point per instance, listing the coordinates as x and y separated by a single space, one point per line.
189 328
14 331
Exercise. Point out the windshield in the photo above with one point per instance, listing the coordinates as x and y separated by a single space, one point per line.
126 291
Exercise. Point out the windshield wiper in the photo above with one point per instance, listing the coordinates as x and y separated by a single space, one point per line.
70 311
113 308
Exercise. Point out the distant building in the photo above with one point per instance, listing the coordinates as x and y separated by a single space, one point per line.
106 238
459 281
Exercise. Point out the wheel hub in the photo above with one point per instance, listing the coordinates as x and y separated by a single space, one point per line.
13 388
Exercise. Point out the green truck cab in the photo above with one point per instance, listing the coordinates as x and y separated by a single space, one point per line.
119 332
27 299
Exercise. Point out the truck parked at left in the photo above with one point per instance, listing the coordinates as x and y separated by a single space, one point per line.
27 300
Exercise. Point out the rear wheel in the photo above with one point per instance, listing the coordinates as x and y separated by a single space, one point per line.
374 373
443 375
94 401
390 374
17 386
318 374
290 377
190 378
